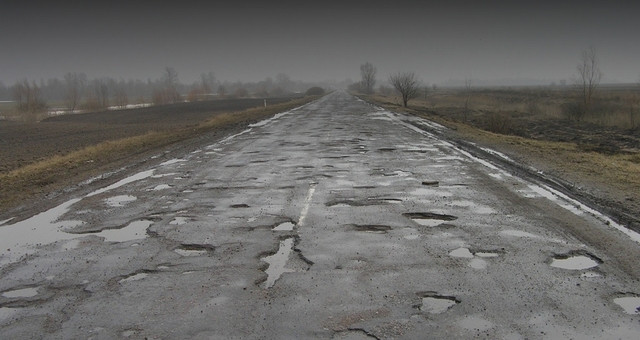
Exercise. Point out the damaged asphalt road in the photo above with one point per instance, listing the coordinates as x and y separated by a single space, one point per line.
334 220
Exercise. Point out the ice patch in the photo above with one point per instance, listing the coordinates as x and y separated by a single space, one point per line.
286 226
161 187
135 277
179 220
518 233
578 262
278 261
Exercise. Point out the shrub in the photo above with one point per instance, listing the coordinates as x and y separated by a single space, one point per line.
315 91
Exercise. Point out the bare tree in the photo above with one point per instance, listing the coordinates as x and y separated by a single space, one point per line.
407 84
368 74
120 96
28 98
75 83
590 76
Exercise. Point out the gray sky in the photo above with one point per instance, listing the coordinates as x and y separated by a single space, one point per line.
494 41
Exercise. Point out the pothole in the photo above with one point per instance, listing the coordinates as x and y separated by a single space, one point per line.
428 219
133 231
462 253
179 220
386 149
433 303
119 201
21 293
576 260
285 226
161 187
133 277
194 249
372 228
630 304
431 183
283 262
239 206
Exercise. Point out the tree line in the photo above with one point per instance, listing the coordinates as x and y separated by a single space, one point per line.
76 91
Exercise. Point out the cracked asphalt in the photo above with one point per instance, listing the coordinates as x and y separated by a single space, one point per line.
334 220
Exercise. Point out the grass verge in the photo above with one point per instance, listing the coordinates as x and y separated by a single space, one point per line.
610 178
57 172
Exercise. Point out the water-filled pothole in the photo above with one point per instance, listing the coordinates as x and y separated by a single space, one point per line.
577 260
433 303
120 201
630 304
284 262
428 219
372 228
21 293
133 231
194 249
285 226
431 183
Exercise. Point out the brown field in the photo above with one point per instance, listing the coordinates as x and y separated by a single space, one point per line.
40 159
599 155
26 143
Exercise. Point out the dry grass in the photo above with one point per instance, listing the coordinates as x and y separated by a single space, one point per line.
615 175
59 171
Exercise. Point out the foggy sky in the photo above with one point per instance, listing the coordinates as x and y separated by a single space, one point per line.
493 41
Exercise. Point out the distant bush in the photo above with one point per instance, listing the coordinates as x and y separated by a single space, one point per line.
499 122
315 91
573 110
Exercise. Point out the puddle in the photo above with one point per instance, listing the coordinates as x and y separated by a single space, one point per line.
179 220
161 187
630 304
6 221
575 262
173 161
21 293
20 238
130 179
429 219
134 277
194 250
133 231
590 275
278 261
286 226
372 228
437 304
462 253
518 233
120 201
486 254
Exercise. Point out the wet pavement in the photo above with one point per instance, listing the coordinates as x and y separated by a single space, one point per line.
334 220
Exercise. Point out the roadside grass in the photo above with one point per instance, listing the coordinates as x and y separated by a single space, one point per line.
567 160
60 171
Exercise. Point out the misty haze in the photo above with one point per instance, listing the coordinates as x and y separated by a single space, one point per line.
325 170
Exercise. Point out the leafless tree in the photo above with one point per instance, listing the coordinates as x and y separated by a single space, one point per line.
120 96
28 98
406 84
368 74
590 76
99 89
222 91
75 83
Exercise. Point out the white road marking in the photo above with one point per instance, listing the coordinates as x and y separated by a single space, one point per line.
307 203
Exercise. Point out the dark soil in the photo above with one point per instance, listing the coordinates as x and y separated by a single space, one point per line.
25 143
